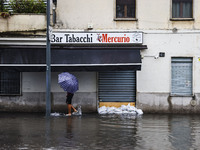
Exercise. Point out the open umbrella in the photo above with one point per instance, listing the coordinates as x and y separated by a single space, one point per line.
68 82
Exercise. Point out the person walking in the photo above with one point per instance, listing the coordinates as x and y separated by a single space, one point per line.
69 103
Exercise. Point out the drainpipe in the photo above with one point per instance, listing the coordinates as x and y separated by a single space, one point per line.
48 64
54 15
54 11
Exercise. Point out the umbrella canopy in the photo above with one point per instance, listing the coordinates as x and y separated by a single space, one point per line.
68 82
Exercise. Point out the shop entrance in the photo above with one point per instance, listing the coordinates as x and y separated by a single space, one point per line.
117 86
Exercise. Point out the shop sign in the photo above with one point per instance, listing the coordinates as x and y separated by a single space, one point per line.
97 38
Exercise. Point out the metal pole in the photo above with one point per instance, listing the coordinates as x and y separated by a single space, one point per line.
48 64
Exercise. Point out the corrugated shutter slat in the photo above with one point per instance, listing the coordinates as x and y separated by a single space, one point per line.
117 86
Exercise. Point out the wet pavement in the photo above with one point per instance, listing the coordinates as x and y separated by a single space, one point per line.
92 131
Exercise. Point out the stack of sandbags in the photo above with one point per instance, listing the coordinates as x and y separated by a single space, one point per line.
124 109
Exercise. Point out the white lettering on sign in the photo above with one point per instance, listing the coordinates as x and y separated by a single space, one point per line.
97 38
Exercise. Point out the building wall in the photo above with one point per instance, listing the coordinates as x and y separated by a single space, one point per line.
23 22
154 81
33 95
175 38
159 72
77 14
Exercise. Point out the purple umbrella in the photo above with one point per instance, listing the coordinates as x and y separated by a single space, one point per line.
68 82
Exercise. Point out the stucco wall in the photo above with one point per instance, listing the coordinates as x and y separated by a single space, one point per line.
23 22
158 73
150 15
77 14
154 79
33 94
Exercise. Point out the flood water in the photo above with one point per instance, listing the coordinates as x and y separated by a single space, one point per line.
92 131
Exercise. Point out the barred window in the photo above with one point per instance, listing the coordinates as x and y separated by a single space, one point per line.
182 9
125 8
10 83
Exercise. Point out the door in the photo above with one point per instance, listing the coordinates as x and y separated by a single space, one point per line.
181 82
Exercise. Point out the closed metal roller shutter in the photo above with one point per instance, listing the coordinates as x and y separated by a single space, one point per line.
117 86
181 76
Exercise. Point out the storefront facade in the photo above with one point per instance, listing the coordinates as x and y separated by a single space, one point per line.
106 72
157 72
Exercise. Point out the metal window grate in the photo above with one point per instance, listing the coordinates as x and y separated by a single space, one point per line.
10 83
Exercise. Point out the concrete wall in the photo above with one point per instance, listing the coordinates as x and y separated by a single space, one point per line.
23 22
164 103
33 94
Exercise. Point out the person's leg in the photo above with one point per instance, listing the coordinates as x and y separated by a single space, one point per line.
69 106
69 101
74 108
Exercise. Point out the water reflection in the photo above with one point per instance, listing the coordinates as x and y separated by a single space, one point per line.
47 133
69 128
121 130
91 131
182 133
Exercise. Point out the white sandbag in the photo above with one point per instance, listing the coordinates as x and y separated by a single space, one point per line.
123 107
78 112
132 113
125 112
102 110
139 111
111 110
131 108
121 110
55 114
117 110
128 106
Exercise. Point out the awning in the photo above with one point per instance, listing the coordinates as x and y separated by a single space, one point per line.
70 59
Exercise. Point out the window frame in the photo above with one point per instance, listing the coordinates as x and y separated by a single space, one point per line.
182 19
123 18
20 86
